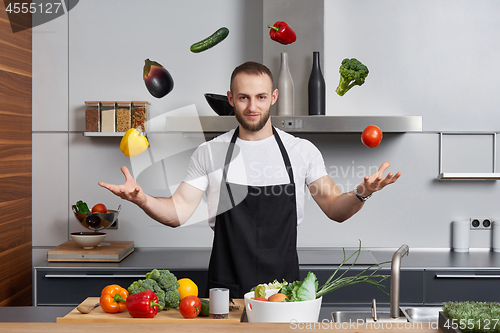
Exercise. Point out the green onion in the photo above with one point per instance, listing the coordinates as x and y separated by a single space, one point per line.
344 281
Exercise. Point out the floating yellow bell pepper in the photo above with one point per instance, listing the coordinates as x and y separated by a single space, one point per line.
133 143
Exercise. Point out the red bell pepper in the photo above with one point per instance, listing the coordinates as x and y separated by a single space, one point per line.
282 33
143 304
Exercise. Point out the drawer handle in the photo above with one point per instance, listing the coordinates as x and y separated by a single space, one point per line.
467 276
91 276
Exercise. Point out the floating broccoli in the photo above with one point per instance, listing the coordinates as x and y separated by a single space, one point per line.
163 283
352 73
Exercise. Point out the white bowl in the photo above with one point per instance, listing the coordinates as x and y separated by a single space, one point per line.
281 312
88 240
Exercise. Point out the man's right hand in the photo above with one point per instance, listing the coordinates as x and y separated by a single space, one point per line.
130 191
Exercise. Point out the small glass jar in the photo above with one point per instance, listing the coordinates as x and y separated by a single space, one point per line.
140 115
92 117
108 117
123 116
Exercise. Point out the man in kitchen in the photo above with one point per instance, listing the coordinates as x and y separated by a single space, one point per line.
254 177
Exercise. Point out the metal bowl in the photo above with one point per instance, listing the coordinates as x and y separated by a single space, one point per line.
220 104
97 221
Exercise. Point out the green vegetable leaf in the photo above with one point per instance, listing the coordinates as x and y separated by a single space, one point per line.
260 291
307 291
81 207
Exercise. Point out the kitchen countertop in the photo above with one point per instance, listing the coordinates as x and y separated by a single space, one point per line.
42 319
317 258
190 327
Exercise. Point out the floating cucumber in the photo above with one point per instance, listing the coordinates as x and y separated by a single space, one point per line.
210 41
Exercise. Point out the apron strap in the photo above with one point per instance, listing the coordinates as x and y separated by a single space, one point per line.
286 159
227 161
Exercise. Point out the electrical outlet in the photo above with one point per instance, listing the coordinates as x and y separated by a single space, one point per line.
480 223
289 123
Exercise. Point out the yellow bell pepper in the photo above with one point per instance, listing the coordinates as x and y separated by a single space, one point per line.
133 143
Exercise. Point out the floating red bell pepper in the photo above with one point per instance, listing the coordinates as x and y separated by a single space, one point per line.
282 33
143 304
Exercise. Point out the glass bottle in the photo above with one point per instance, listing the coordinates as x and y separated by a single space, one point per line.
316 89
285 88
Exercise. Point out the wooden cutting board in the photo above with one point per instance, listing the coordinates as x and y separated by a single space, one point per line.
171 316
70 251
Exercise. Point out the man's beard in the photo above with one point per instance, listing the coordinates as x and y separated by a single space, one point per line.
253 127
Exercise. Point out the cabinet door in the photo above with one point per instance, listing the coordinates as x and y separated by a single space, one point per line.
71 287
411 288
447 286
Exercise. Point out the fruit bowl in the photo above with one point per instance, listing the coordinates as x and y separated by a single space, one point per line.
97 221
281 312
88 240
220 104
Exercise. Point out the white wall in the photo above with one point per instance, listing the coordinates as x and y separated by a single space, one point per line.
429 58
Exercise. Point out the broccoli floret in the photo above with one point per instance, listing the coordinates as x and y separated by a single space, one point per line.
163 283
352 73
167 280
154 274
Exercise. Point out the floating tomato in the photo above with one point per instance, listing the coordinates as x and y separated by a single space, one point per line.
371 136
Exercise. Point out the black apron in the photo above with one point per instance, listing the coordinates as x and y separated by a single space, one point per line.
256 240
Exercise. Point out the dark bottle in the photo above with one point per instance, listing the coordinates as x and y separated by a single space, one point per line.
317 89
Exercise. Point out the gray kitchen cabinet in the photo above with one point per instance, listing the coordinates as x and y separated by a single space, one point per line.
461 285
412 286
63 287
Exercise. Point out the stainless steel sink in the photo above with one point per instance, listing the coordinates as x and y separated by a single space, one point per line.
418 314
422 314
356 316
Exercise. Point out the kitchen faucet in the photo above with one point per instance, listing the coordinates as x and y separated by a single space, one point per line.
396 279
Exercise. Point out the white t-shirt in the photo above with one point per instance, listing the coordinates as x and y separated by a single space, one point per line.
255 163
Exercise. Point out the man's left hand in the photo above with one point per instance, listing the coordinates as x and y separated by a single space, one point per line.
376 182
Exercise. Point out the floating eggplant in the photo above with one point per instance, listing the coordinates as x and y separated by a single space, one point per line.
157 79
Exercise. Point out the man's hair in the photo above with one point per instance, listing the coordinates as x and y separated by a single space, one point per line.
251 68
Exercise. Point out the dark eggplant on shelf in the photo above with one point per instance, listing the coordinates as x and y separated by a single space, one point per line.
157 79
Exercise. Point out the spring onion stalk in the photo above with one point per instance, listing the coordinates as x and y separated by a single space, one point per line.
343 281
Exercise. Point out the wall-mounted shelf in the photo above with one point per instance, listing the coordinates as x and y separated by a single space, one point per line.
106 134
467 175
303 124
103 133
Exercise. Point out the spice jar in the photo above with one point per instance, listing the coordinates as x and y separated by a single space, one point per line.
140 115
108 117
92 117
219 303
123 116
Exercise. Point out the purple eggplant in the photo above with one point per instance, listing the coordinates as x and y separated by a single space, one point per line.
157 79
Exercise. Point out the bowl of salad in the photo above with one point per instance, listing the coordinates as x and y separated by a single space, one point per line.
294 302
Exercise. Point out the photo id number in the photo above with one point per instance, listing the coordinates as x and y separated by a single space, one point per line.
42 8
462 324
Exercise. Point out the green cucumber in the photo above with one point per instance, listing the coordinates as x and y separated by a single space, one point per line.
210 41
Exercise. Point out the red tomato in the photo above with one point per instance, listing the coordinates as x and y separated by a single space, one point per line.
260 299
190 307
99 208
371 136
